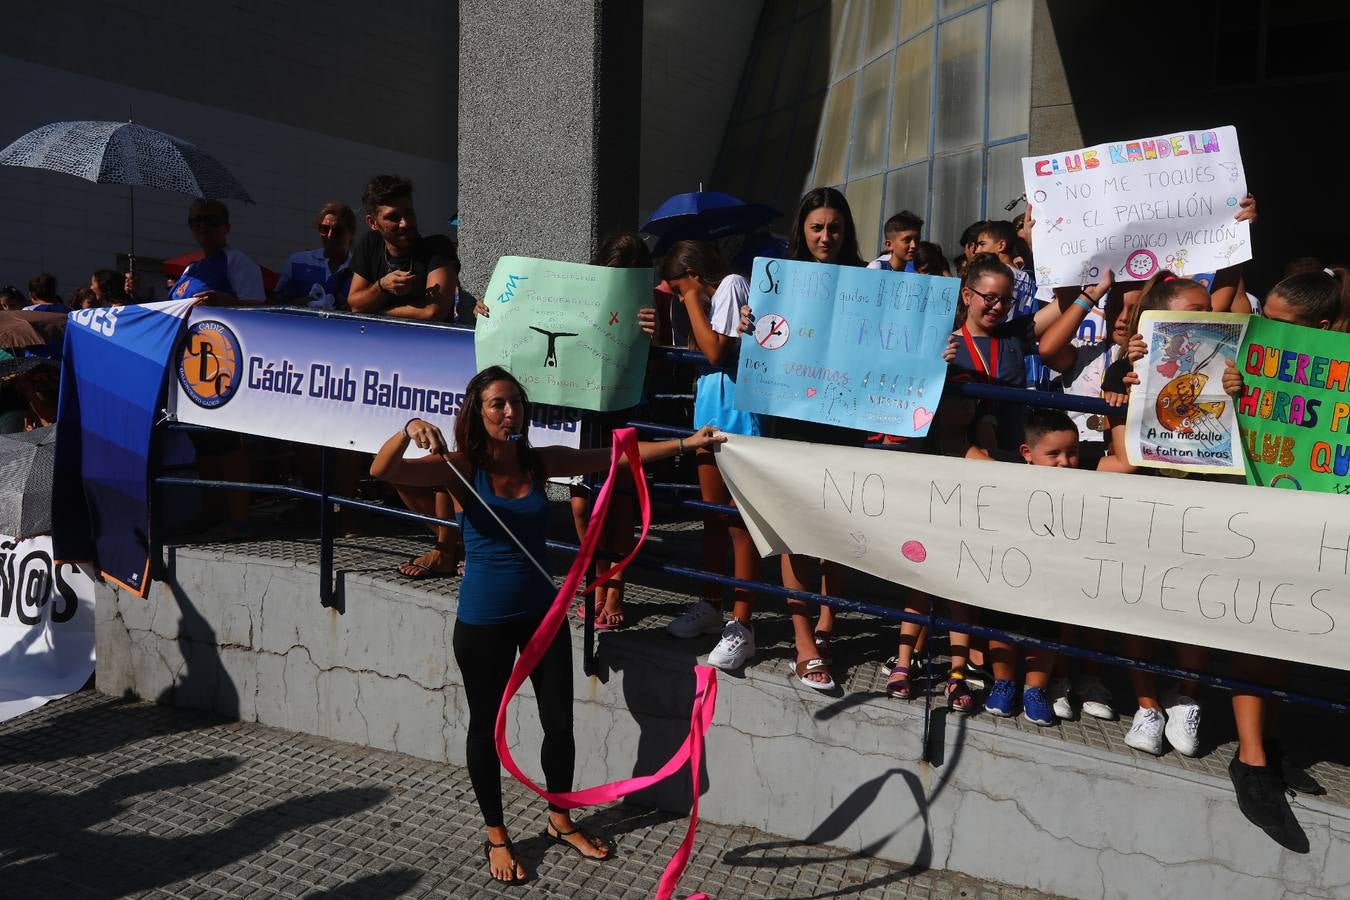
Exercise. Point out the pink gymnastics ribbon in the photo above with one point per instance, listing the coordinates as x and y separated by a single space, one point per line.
705 690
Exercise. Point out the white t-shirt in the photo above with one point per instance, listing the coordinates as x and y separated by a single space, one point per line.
724 314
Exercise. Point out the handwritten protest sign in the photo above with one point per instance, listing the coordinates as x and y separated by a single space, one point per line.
569 332
859 348
1179 416
1136 207
1295 406
1218 565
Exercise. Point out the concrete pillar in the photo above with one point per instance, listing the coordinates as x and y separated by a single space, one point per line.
549 116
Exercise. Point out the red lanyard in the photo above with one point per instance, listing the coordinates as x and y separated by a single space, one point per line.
988 369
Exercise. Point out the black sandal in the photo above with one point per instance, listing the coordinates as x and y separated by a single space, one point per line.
488 847
559 837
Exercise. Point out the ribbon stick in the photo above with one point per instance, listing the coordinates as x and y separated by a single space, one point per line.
705 678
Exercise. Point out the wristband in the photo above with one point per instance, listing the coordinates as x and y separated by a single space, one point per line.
405 427
681 450
1083 301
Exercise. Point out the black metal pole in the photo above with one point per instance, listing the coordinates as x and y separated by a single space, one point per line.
326 527
588 666
927 755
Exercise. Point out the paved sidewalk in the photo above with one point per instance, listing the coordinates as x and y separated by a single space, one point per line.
106 798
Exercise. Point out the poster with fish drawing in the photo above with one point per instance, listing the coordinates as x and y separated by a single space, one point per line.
1179 416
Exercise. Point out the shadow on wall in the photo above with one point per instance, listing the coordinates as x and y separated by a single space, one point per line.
203 682
777 855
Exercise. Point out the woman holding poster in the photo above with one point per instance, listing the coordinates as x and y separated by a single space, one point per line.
822 232
498 480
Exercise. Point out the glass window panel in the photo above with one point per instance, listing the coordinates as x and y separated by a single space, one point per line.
806 65
880 35
868 153
955 6
1010 69
798 176
1004 179
960 86
736 169
849 43
834 133
956 196
907 188
777 14
910 121
915 15
864 201
768 156
768 60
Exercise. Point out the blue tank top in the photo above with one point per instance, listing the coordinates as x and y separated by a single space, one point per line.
500 584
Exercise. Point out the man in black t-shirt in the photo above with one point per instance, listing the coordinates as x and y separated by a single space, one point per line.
395 270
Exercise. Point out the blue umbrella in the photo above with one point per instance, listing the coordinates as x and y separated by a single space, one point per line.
124 153
705 216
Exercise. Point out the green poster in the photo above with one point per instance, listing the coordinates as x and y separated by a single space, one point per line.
569 332
1295 406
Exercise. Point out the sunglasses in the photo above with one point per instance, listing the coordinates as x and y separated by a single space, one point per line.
207 221
992 299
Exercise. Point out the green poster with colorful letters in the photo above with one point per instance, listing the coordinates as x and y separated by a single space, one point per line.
569 332
1294 411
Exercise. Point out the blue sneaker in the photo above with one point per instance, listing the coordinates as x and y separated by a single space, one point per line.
1001 700
1036 706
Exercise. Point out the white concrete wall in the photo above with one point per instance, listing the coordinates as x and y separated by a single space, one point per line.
71 227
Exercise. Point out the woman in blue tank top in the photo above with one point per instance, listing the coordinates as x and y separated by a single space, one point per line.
504 595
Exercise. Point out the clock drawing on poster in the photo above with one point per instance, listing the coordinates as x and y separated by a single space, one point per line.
771 331
1141 264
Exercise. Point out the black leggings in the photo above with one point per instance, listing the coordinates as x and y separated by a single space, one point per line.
486 654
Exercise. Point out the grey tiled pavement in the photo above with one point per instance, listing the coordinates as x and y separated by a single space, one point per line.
108 798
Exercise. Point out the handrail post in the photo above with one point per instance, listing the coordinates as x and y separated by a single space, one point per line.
927 755
326 527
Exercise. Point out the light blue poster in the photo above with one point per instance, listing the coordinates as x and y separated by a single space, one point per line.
859 348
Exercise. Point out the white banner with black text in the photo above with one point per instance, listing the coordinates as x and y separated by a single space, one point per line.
1247 569
46 626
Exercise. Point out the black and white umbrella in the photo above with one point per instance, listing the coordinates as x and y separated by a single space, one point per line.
26 462
125 153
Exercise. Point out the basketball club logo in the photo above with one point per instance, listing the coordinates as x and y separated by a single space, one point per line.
208 368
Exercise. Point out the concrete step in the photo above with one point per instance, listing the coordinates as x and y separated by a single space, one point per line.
1068 810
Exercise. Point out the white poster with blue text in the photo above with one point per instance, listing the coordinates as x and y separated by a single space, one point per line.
840 345
1138 207
335 381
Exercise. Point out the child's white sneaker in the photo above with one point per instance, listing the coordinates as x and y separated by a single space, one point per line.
1146 732
1094 696
1183 724
734 649
1059 697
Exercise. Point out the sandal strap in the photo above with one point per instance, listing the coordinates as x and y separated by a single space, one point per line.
955 675
560 833
496 846
807 666
898 670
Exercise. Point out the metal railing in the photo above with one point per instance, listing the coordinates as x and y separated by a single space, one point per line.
647 561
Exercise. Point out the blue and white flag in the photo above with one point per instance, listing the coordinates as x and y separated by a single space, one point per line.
116 364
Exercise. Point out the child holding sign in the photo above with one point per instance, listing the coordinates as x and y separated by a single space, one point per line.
1316 299
714 300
